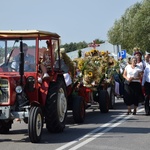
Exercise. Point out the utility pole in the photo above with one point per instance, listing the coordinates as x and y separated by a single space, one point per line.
122 32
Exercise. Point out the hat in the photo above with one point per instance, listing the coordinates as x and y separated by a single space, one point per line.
62 50
136 49
137 52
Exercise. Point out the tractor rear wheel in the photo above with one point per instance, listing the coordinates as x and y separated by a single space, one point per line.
56 107
35 125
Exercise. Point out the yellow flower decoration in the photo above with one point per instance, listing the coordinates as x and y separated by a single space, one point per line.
90 74
102 53
87 54
80 64
94 52
94 67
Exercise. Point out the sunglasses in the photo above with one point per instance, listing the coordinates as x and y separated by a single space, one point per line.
25 49
135 60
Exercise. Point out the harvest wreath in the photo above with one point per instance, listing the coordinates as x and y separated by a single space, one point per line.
96 67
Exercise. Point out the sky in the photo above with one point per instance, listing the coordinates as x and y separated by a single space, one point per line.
73 20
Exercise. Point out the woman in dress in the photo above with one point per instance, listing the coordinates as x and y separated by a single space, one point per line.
132 86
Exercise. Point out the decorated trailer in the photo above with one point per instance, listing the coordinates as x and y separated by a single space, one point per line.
95 83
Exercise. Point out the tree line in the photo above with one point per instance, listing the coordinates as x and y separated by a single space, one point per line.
78 46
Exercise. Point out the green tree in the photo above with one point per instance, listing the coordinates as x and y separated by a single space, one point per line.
98 41
133 28
77 46
74 46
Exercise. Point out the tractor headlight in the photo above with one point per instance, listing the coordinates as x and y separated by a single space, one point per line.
18 89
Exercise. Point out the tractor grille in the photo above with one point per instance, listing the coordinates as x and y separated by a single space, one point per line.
3 90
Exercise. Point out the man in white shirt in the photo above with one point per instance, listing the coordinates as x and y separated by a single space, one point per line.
146 61
146 79
29 64
146 86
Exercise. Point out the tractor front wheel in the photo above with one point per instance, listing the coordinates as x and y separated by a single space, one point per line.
35 124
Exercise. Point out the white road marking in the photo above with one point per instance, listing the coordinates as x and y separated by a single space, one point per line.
93 134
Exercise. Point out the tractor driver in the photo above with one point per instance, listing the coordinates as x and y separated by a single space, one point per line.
29 64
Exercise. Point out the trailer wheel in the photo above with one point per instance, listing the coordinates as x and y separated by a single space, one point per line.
103 101
35 125
5 125
111 93
147 106
56 107
78 109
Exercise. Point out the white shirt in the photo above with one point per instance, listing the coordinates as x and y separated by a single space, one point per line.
67 78
145 64
141 65
146 75
133 72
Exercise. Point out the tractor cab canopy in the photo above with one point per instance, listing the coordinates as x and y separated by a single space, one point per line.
24 46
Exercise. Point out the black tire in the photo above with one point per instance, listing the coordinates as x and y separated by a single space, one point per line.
111 94
56 107
5 125
78 109
103 101
147 105
35 125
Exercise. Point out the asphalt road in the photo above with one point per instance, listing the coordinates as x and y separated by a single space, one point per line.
101 131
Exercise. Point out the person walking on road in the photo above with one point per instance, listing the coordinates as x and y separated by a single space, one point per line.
146 85
132 85
146 60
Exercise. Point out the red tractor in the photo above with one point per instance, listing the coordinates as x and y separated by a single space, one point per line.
21 95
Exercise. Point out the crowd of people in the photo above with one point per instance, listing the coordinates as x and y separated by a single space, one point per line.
136 83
